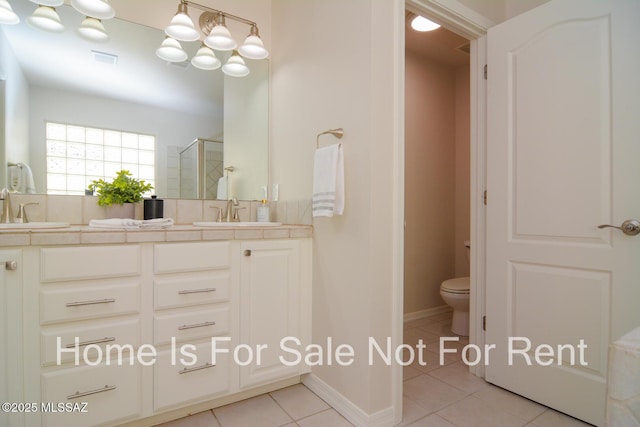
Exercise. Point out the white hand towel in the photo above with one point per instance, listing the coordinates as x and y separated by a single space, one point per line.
328 181
28 185
131 224
222 188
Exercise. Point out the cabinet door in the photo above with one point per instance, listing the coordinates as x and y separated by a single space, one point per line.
271 309
10 334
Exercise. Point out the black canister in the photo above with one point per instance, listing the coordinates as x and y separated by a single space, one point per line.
153 208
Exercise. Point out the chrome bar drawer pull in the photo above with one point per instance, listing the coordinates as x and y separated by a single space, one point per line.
90 342
196 325
196 291
79 394
98 301
197 368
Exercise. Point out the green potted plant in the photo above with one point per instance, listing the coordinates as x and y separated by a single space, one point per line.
123 189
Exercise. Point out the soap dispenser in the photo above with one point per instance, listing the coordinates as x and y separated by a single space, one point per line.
263 211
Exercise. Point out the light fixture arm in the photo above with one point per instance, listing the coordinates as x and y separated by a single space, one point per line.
218 12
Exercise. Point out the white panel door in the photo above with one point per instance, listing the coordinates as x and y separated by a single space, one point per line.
563 157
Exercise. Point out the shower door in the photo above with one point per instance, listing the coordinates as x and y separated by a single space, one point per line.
201 166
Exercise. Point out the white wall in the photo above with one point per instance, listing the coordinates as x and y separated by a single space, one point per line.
333 66
16 109
170 128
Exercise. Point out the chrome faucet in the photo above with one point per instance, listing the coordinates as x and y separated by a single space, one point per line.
230 205
7 211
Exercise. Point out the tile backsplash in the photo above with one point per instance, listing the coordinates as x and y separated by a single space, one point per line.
78 210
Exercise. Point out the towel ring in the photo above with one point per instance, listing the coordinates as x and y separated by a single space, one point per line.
338 133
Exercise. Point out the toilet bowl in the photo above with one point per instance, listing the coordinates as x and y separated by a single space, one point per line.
455 293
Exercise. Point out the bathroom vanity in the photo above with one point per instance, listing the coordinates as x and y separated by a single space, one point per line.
140 327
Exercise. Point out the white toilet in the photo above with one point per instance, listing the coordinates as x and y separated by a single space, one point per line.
455 292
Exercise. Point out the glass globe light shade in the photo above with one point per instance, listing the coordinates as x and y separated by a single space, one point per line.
235 66
46 18
92 29
206 59
170 50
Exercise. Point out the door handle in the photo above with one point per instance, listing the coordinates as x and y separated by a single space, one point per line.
630 227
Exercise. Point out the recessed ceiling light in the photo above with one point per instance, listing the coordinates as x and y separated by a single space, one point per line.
420 23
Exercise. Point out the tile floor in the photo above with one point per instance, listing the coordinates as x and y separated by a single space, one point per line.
434 396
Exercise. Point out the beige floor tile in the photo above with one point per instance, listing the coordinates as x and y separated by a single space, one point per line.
458 376
441 328
551 418
412 335
504 400
473 412
432 421
431 393
411 411
409 372
325 419
299 402
201 419
430 361
430 319
260 411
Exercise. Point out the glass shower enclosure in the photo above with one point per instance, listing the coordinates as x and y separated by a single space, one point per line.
201 167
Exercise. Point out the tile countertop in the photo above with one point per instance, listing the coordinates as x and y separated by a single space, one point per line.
85 235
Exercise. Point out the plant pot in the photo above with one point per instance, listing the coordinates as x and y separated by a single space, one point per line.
126 210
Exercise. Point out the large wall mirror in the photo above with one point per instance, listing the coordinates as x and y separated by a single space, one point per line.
122 85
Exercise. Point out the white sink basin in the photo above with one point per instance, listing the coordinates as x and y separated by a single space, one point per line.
35 224
236 224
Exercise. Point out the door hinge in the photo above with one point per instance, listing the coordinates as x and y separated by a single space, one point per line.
485 71
484 323
484 197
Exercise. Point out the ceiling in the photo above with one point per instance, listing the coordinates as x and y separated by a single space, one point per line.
441 45
65 60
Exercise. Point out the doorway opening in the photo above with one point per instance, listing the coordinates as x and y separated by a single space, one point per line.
437 169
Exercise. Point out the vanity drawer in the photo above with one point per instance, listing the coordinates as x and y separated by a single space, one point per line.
99 333
89 262
183 257
88 302
191 325
111 392
177 384
191 290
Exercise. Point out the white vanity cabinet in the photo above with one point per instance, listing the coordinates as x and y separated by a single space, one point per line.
275 308
187 305
192 286
88 299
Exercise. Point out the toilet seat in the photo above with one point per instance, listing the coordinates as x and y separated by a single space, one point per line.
459 285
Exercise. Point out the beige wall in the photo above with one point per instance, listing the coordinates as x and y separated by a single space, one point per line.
463 171
437 180
333 67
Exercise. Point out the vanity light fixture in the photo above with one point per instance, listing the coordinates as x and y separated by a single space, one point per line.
46 18
171 51
181 26
206 59
7 15
422 24
216 37
100 9
92 29
235 66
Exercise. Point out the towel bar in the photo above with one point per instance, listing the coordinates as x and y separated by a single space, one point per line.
338 133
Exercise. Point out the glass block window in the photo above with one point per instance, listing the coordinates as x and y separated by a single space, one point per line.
77 155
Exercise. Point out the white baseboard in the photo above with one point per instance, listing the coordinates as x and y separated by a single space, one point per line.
426 313
346 408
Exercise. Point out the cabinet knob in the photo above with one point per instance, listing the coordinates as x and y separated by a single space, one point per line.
247 252
11 265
